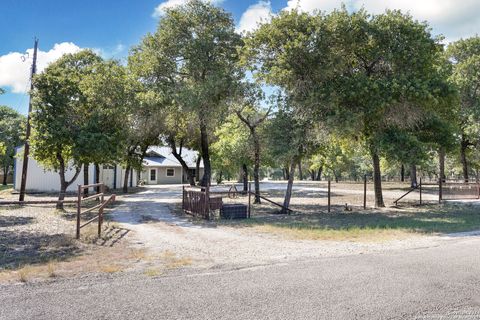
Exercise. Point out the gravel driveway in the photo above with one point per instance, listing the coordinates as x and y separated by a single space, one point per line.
155 228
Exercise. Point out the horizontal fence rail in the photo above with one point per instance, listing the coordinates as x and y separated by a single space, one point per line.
27 202
100 206
460 190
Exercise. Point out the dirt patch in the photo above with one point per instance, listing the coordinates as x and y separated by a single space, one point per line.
37 243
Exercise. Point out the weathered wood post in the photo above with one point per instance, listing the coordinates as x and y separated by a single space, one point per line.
207 201
249 198
183 198
328 195
440 190
420 189
100 212
79 204
365 192
478 187
100 221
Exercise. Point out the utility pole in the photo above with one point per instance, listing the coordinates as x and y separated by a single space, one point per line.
26 148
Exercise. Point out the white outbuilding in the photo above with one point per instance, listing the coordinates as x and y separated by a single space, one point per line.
159 167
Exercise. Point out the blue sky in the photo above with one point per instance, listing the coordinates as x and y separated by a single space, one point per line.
111 27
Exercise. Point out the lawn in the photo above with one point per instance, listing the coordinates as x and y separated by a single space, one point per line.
372 224
6 189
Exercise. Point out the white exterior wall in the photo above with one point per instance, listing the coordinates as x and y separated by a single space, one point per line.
42 180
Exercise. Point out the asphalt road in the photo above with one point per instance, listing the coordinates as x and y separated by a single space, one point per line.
429 283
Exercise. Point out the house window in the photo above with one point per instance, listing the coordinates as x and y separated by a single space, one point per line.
170 172
153 174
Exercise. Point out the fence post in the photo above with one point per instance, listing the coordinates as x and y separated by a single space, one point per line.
478 189
100 221
79 204
207 201
328 193
420 189
365 192
440 190
249 198
183 198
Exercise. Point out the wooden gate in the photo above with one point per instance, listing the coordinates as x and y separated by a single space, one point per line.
198 202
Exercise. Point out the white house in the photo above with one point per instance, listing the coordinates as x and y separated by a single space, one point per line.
159 167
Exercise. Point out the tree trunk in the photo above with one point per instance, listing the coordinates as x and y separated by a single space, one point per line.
256 166
463 157
413 176
377 180
97 176
125 179
335 175
319 174
402 173
441 161
287 174
85 179
220 177
178 156
63 182
288 193
63 189
197 168
284 174
245 178
207 169
5 175
312 175
300 172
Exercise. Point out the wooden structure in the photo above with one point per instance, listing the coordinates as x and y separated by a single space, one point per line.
202 201
198 201
99 196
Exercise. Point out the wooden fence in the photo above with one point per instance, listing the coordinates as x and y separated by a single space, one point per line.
100 206
199 202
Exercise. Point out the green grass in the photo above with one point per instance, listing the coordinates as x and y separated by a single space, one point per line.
365 225
6 189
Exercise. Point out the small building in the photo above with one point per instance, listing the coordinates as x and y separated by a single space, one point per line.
159 167
40 179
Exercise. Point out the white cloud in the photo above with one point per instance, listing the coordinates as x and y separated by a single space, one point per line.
160 9
15 70
260 12
311 5
452 18
110 52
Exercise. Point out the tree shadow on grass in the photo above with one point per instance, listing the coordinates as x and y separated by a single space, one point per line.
10 221
429 220
20 248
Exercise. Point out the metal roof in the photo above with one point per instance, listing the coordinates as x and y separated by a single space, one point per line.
163 157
